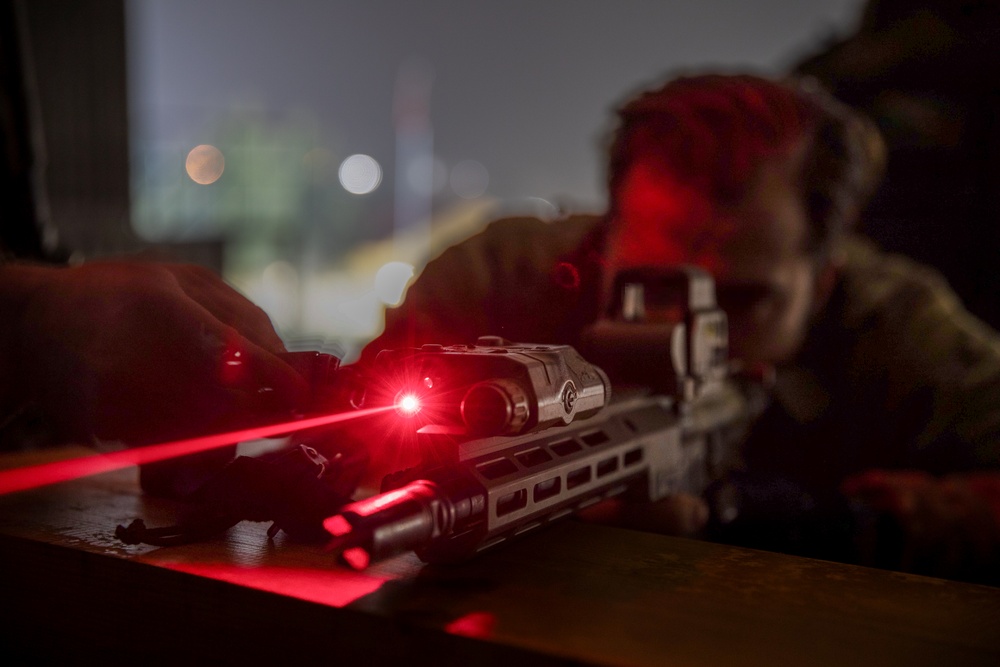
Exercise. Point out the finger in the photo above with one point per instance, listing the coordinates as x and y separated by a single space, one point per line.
875 489
216 353
233 308
267 381
228 305
858 483
985 485
274 379
878 478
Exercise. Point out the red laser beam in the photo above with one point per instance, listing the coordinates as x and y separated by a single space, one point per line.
30 477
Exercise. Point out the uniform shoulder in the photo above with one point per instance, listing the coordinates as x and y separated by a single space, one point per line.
930 368
905 314
875 281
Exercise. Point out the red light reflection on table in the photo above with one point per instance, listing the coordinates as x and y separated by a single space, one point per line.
334 588
357 558
21 479
478 624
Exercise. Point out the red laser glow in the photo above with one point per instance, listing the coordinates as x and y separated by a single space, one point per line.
30 477
408 405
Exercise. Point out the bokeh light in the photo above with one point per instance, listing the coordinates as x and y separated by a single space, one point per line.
360 174
205 164
469 179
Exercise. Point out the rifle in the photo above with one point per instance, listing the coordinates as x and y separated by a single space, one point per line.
518 436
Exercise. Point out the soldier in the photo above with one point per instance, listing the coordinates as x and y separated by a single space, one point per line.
887 391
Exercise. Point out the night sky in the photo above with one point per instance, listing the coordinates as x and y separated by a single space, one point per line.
524 87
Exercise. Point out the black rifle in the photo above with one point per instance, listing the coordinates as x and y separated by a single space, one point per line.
516 442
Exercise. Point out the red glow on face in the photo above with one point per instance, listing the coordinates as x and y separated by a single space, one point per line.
480 624
663 222
21 479
335 587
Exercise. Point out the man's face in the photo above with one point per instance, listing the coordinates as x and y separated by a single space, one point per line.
766 281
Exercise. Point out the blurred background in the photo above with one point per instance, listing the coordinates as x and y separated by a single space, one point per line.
317 154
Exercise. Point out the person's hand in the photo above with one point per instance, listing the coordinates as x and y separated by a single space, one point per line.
948 527
143 352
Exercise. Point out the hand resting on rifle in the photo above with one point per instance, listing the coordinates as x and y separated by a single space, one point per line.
948 526
137 352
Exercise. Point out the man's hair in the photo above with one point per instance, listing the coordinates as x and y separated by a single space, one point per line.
713 131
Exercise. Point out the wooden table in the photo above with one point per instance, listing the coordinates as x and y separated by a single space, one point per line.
573 594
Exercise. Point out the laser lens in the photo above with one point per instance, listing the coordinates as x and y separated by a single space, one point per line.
407 404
